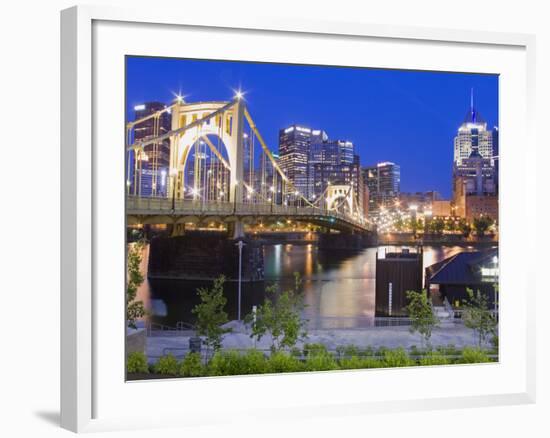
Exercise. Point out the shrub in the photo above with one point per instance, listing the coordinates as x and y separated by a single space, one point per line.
397 358
314 349
368 351
137 363
167 365
320 362
433 358
356 363
228 363
254 362
449 350
348 351
191 366
281 362
473 355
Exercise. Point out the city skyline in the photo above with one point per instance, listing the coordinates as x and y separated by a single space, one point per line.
388 114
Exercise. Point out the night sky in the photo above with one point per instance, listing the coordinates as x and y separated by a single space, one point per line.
408 117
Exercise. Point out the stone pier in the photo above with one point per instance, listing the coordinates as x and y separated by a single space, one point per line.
204 256
346 241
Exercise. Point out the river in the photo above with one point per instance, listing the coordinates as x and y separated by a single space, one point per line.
339 289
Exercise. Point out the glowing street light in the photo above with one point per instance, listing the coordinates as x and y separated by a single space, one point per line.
239 94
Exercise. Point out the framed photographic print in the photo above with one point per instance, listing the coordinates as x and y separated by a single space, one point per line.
254 206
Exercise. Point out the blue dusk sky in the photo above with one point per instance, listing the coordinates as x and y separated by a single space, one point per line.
408 117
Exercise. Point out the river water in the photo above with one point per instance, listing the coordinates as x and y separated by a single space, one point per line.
339 289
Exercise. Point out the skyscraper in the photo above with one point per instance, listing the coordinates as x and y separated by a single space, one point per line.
384 184
475 167
152 169
472 133
312 161
294 146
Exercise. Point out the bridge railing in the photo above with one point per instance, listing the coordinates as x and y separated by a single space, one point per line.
147 205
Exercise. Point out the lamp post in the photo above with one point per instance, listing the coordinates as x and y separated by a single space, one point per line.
240 245
272 190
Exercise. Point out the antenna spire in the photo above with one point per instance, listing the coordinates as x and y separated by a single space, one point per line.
472 99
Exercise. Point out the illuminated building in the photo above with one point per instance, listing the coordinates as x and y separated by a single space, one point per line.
472 134
383 182
294 146
156 157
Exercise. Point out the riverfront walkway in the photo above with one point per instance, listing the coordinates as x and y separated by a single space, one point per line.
390 337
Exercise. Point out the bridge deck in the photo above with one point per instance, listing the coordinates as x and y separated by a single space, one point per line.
143 206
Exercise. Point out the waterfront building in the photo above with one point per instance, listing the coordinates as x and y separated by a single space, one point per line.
383 181
152 167
396 273
422 200
476 270
442 208
470 206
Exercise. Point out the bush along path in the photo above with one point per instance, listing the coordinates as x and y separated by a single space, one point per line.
313 357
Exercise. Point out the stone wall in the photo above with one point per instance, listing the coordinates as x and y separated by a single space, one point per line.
136 340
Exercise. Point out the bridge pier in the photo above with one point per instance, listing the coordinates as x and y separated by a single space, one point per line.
346 241
176 229
204 256
235 230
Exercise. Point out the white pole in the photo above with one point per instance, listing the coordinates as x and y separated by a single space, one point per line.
240 244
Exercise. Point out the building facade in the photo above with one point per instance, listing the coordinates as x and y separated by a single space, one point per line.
383 182
294 148
472 134
312 162
475 169
151 168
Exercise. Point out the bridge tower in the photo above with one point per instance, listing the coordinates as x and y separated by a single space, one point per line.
340 197
227 125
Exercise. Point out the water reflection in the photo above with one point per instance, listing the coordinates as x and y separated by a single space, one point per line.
339 288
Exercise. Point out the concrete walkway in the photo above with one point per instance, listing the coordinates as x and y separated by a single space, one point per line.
391 337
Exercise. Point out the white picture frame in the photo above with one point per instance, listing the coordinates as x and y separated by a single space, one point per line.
83 371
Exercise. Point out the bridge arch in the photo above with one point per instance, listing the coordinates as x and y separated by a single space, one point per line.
338 196
227 126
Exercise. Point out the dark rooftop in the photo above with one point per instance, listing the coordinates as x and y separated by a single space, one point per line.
462 268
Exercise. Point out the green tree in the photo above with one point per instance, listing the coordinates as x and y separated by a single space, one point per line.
134 308
464 227
478 316
482 224
279 317
437 225
414 225
423 319
450 225
211 315
399 224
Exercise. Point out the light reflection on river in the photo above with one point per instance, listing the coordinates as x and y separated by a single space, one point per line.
339 288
